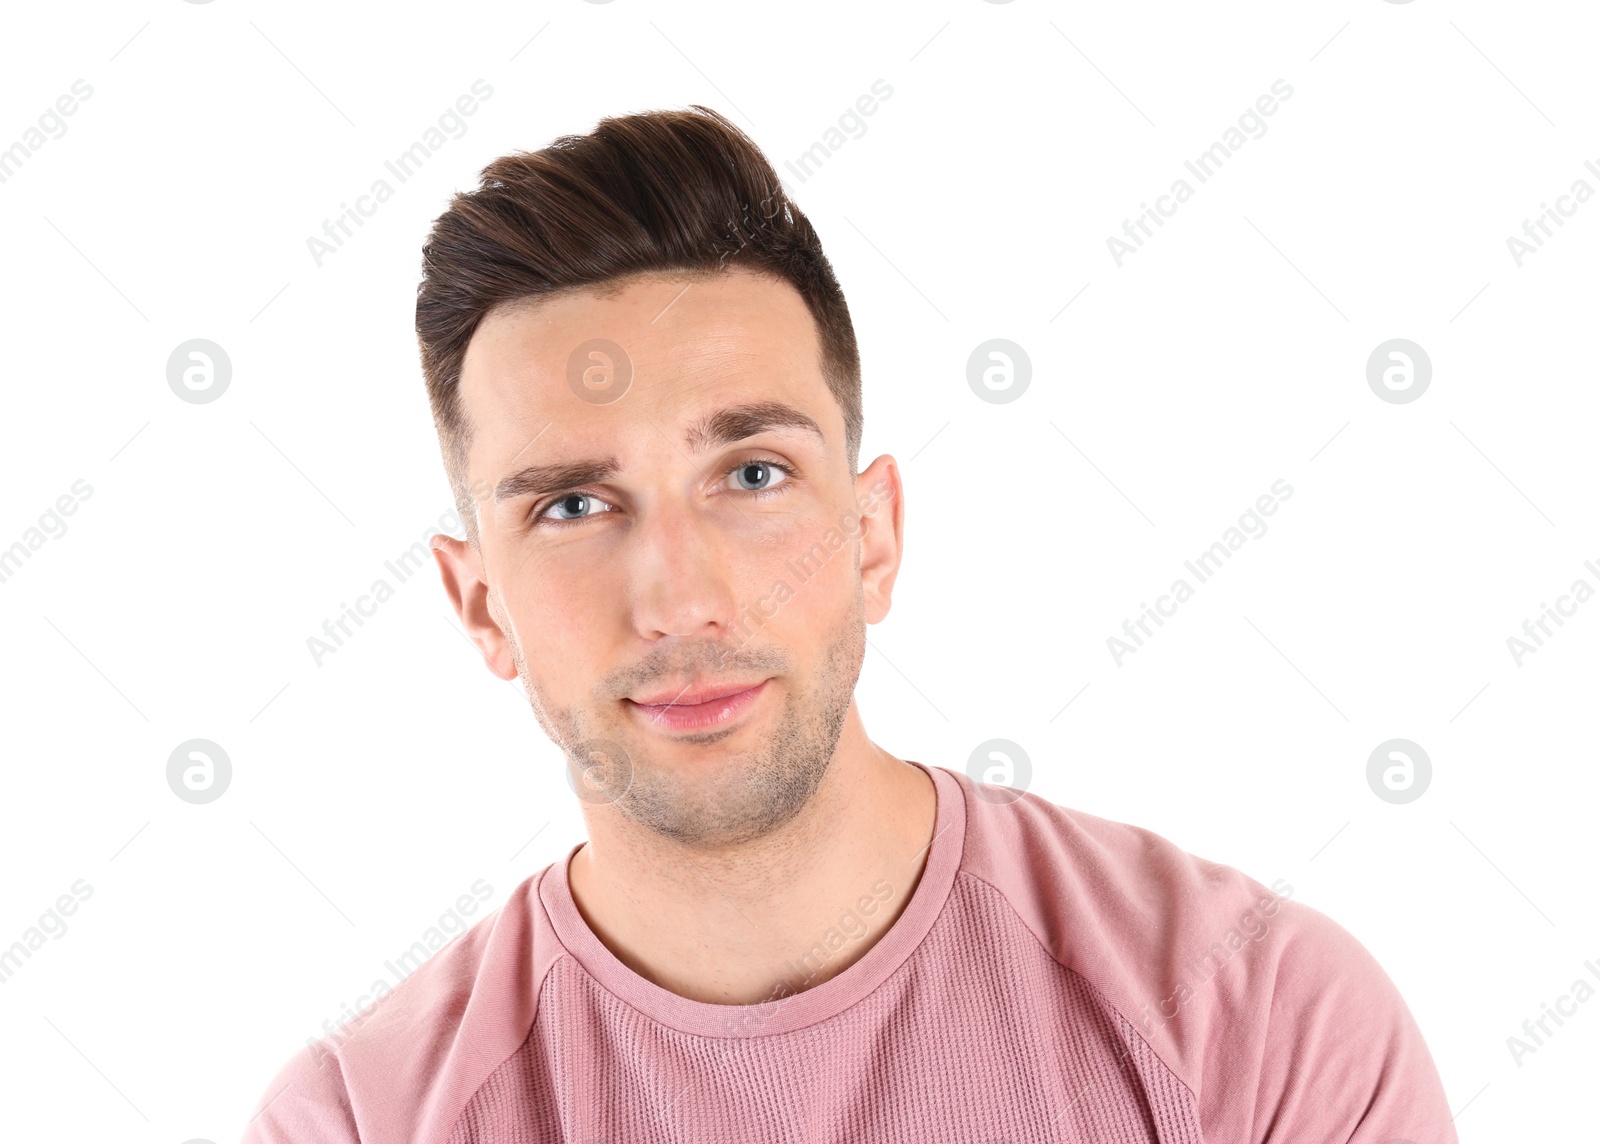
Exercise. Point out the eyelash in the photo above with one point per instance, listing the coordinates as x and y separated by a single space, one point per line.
537 517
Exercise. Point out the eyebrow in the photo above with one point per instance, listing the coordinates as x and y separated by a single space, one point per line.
723 427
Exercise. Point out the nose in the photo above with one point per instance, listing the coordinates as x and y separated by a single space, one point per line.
682 583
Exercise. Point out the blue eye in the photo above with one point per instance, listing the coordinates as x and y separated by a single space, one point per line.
565 500
767 468
577 503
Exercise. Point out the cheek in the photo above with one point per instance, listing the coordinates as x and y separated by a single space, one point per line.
807 576
557 604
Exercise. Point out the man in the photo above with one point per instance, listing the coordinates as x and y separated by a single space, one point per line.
647 390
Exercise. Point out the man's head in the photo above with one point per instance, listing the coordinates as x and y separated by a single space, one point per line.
648 397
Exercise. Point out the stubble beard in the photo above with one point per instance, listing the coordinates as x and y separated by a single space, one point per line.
746 794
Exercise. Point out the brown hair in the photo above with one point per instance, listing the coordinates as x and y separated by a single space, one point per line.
664 191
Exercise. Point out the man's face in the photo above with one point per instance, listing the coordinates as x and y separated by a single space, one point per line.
670 516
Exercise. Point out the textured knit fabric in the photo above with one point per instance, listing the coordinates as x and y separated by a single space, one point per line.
1054 977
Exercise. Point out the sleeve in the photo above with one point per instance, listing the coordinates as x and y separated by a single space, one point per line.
306 1103
1341 1058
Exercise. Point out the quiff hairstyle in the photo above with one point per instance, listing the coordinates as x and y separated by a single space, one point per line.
682 192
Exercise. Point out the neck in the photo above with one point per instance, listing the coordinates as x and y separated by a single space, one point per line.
749 923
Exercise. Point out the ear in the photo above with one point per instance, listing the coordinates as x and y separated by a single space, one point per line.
461 569
881 502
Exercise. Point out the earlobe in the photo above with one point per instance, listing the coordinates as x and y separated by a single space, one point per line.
460 569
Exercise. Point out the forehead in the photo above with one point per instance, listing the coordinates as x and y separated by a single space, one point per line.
684 344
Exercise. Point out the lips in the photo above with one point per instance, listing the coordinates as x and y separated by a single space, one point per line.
695 695
720 705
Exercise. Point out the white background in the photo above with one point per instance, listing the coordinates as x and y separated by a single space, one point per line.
370 792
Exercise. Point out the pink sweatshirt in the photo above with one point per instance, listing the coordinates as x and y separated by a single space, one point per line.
1054 977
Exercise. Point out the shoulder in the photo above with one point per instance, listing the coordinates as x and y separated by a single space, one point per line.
406 1064
307 1102
1069 873
1266 1008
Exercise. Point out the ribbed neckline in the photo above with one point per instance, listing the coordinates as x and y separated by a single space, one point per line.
702 1018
